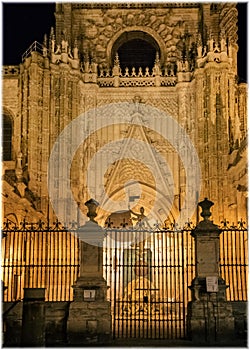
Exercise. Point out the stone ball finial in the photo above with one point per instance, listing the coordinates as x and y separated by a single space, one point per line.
205 205
92 204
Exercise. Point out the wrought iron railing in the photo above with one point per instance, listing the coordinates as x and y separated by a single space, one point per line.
38 255
234 260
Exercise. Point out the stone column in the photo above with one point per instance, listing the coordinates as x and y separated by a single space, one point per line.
33 320
210 317
89 320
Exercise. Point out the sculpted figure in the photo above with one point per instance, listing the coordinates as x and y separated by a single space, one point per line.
139 216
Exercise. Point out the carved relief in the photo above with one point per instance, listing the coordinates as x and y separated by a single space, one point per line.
166 104
98 31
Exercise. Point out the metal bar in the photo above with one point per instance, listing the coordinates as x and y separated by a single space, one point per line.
133 302
50 267
115 288
162 292
228 293
158 283
71 258
242 266
237 255
4 270
120 281
171 284
59 267
29 261
18 268
166 295
52 276
184 278
231 286
245 255
10 266
234 273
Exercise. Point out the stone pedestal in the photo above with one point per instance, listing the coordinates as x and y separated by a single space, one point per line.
210 317
89 320
33 319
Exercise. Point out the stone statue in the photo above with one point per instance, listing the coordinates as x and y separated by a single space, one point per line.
58 49
65 46
139 216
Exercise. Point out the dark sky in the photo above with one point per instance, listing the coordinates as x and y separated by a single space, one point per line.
23 23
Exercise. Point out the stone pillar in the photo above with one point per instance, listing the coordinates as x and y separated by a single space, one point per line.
89 320
210 317
33 320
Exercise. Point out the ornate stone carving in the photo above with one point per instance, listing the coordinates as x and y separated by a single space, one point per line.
99 30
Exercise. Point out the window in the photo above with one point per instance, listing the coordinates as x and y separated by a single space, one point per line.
135 49
136 53
7 138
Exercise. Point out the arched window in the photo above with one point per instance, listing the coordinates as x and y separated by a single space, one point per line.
136 53
135 49
7 137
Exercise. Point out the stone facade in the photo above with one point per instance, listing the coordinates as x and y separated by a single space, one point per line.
193 80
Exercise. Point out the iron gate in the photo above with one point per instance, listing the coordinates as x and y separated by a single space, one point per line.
149 272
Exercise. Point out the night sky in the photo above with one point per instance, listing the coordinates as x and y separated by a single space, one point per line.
23 23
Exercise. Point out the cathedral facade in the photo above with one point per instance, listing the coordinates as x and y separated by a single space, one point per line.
136 105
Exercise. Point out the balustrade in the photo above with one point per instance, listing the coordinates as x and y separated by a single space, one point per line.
137 77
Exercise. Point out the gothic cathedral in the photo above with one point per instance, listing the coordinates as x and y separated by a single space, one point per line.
135 105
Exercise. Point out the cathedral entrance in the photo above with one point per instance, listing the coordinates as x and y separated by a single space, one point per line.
148 272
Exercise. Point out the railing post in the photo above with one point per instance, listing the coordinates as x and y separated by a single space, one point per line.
89 320
210 317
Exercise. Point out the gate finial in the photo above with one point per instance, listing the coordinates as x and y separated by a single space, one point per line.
92 204
205 205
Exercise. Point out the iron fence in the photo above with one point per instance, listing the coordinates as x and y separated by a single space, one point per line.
234 260
39 256
148 271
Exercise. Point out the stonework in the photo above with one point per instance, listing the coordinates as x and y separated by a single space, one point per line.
210 317
77 69
89 318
